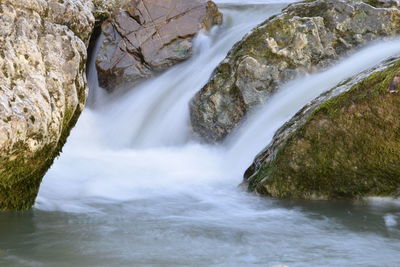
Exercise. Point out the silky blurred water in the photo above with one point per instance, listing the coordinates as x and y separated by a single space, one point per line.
133 188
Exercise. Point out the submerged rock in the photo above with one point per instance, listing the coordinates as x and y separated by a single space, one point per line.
345 144
150 36
42 89
305 37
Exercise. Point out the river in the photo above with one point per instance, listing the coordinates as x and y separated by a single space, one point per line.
133 187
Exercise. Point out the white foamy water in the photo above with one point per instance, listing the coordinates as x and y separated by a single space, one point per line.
133 189
391 220
120 153
137 145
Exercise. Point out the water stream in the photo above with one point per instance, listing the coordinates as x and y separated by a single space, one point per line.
133 188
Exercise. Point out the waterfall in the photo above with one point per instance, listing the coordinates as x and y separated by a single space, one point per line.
121 138
137 144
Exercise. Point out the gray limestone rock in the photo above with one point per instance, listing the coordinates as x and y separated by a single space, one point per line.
305 37
42 89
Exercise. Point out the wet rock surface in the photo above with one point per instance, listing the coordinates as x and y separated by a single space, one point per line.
305 37
150 36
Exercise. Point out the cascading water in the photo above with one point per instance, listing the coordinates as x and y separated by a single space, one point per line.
247 140
133 188
126 136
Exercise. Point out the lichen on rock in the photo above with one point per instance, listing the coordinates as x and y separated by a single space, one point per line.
305 37
42 89
345 144
103 9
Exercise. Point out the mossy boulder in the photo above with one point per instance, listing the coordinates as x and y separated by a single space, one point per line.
43 89
305 37
345 144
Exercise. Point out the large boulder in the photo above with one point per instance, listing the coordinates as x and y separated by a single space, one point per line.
345 144
149 36
304 38
42 89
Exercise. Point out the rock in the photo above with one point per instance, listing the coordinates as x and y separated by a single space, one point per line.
394 85
150 36
42 89
345 144
103 9
383 3
305 37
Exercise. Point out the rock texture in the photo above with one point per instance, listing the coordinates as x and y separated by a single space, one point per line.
42 89
383 3
150 36
305 37
103 9
346 144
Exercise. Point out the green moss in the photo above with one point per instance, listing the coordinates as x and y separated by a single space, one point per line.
348 148
374 3
22 176
21 179
264 171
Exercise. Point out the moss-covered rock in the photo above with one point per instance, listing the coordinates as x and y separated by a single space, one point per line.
343 145
43 89
305 37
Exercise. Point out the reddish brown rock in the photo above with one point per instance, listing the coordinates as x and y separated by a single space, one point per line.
150 36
